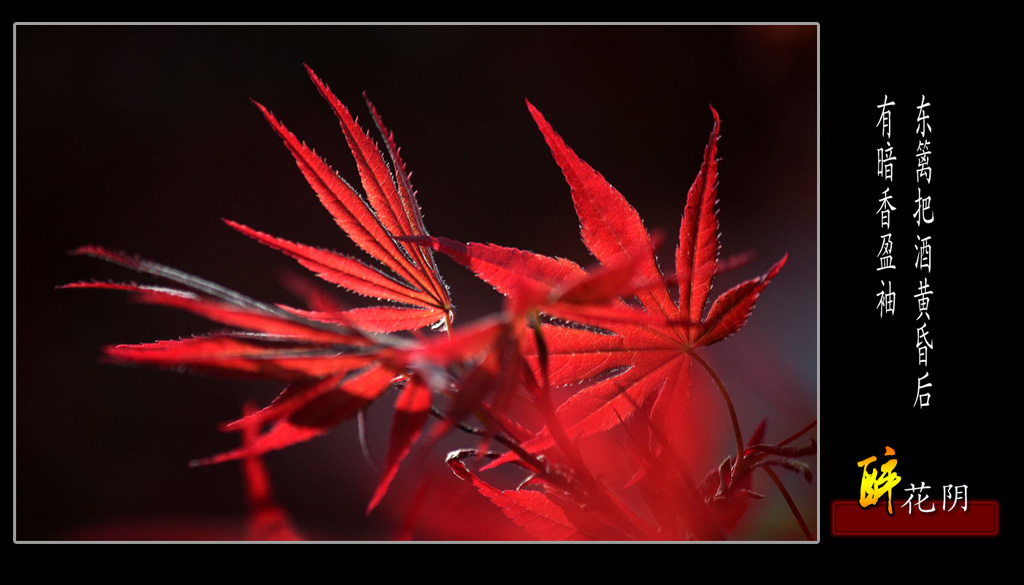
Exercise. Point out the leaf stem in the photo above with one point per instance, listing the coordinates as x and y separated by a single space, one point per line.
789 500
728 403
364 443
594 488
797 434
448 324
525 456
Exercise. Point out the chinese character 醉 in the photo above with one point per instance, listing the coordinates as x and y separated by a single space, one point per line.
873 485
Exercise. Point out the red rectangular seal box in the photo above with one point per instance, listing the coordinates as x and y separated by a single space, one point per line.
980 519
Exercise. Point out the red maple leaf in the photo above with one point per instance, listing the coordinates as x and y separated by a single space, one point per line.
637 354
619 359
622 340
333 366
388 211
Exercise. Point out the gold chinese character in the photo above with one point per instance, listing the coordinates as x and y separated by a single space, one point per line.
873 485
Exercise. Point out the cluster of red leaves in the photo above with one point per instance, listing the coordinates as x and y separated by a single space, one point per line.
614 335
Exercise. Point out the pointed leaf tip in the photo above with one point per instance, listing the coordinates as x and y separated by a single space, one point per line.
731 310
411 413
610 227
699 243
91 250
263 109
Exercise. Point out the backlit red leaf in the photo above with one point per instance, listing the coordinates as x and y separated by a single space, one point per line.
232 355
378 319
411 411
283 434
339 269
611 228
308 411
392 198
698 236
237 311
504 268
580 351
313 294
532 510
376 224
350 211
267 520
731 310
287 402
626 363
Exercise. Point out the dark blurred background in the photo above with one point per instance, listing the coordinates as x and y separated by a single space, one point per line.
143 138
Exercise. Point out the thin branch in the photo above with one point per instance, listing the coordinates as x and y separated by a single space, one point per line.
728 403
789 500
532 462
797 435
364 443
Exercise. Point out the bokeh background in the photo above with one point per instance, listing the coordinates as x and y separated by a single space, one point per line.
143 138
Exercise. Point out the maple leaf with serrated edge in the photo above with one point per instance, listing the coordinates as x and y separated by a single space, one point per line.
388 211
548 515
334 368
623 359
625 363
